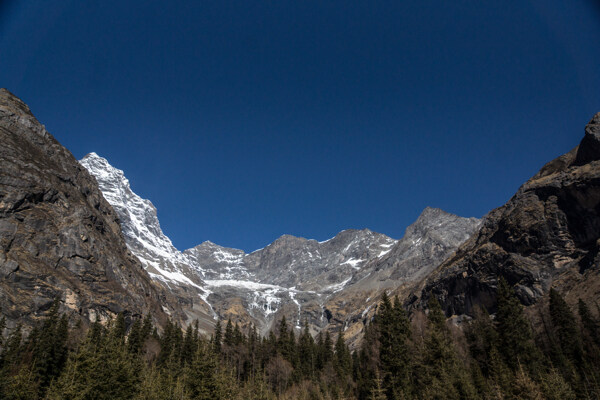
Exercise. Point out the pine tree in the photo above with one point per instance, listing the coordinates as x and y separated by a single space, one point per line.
524 387
394 332
566 327
590 324
228 337
101 370
189 345
554 386
22 385
48 347
201 378
514 332
377 391
2 327
135 340
343 359
162 384
286 342
306 353
482 337
119 329
440 373
218 337
10 360
327 350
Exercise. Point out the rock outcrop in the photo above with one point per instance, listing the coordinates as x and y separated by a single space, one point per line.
547 235
59 237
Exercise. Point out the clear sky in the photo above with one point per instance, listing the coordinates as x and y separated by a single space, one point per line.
245 120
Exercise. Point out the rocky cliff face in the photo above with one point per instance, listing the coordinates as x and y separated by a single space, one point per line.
139 221
547 235
59 237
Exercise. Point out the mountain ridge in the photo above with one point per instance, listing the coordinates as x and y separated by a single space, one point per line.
292 276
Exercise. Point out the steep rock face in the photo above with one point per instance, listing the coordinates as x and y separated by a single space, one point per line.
59 238
146 240
546 235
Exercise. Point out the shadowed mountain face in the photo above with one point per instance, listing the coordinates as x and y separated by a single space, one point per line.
547 235
59 237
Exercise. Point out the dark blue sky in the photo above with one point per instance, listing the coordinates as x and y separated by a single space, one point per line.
245 120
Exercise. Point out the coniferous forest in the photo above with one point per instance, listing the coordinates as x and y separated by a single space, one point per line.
420 356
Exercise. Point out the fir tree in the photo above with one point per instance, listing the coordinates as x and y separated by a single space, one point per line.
48 347
201 376
442 374
306 353
189 345
2 327
482 337
377 391
119 329
135 340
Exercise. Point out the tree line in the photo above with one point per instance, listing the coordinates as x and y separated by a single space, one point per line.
420 356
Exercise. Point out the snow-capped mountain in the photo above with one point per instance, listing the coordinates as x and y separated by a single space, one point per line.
140 225
303 279
146 240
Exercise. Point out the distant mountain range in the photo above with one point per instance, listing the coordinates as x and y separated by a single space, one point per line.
292 276
77 232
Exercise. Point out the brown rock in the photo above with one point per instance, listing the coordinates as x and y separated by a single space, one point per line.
546 235
59 238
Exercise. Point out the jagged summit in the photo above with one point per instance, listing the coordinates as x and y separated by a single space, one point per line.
138 216
435 221
589 148
432 212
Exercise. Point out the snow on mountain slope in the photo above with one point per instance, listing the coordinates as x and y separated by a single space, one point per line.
140 225
146 240
287 271
300 278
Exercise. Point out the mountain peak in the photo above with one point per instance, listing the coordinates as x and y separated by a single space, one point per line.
104 172
429 212
589 148
13 103
138 216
